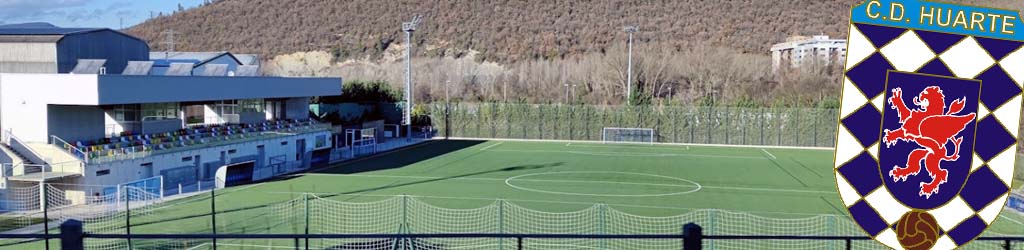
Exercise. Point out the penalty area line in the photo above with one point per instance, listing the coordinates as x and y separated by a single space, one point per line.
769 154
491 146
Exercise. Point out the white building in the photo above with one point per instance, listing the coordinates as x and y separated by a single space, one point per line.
799 50
88 130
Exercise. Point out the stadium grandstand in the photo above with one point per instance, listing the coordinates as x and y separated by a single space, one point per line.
85 111
125 148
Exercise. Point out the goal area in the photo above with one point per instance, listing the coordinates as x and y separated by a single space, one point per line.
627 135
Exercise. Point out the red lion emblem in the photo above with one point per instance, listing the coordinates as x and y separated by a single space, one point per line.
929 128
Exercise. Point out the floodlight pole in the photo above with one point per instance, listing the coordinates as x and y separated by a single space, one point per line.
447 108
409 28
629 68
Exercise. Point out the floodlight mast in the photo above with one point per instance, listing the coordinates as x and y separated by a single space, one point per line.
409 28
629 68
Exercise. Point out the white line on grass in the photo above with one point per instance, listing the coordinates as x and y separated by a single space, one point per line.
1011 219
561 181
769 154
246 246
648 147
626 154
491 146
656 143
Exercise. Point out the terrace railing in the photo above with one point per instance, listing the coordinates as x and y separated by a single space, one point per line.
23 148
135 152
74 151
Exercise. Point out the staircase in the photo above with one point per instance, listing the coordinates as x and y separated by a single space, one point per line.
57 158
19 165
36 157
15 156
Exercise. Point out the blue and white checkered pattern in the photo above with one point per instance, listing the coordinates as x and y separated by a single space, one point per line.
874 50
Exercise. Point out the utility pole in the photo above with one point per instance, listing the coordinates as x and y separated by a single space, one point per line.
447 108
629 69
168 42
409 28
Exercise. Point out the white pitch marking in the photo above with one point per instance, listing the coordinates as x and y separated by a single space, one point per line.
1011 219
626 147
568 143
769 154
561 181
623 154
491 146
656 143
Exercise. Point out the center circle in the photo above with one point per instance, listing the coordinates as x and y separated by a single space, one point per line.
676 182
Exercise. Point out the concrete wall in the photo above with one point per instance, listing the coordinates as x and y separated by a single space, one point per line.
75 123
204 161
161 126
24 99
28 58
297 108
252 117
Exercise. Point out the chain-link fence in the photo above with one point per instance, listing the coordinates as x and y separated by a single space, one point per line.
807 127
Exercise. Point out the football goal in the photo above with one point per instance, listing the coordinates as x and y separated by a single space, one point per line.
627 135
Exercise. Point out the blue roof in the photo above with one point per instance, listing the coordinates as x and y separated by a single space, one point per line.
167 62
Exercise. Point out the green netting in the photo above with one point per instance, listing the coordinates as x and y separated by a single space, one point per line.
804 127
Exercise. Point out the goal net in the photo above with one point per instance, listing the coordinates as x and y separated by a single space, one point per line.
627 135
405 214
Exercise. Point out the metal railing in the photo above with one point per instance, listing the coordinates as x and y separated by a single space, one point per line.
135 152
72 237
21 147
74 151
18 169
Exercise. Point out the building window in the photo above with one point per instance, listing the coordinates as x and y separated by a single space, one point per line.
284 143
186 159
232 151
251 105
159 111
321 141
126 113
103 172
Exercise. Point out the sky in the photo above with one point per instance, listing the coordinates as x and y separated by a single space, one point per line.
87 13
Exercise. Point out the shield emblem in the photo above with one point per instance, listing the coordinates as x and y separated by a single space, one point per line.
928 127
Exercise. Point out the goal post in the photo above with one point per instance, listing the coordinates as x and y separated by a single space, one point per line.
628 135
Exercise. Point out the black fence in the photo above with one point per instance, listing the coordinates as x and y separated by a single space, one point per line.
72 237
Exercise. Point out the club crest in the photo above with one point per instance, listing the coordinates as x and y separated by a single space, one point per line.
929 120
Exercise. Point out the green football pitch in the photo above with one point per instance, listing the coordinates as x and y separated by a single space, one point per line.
559 177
